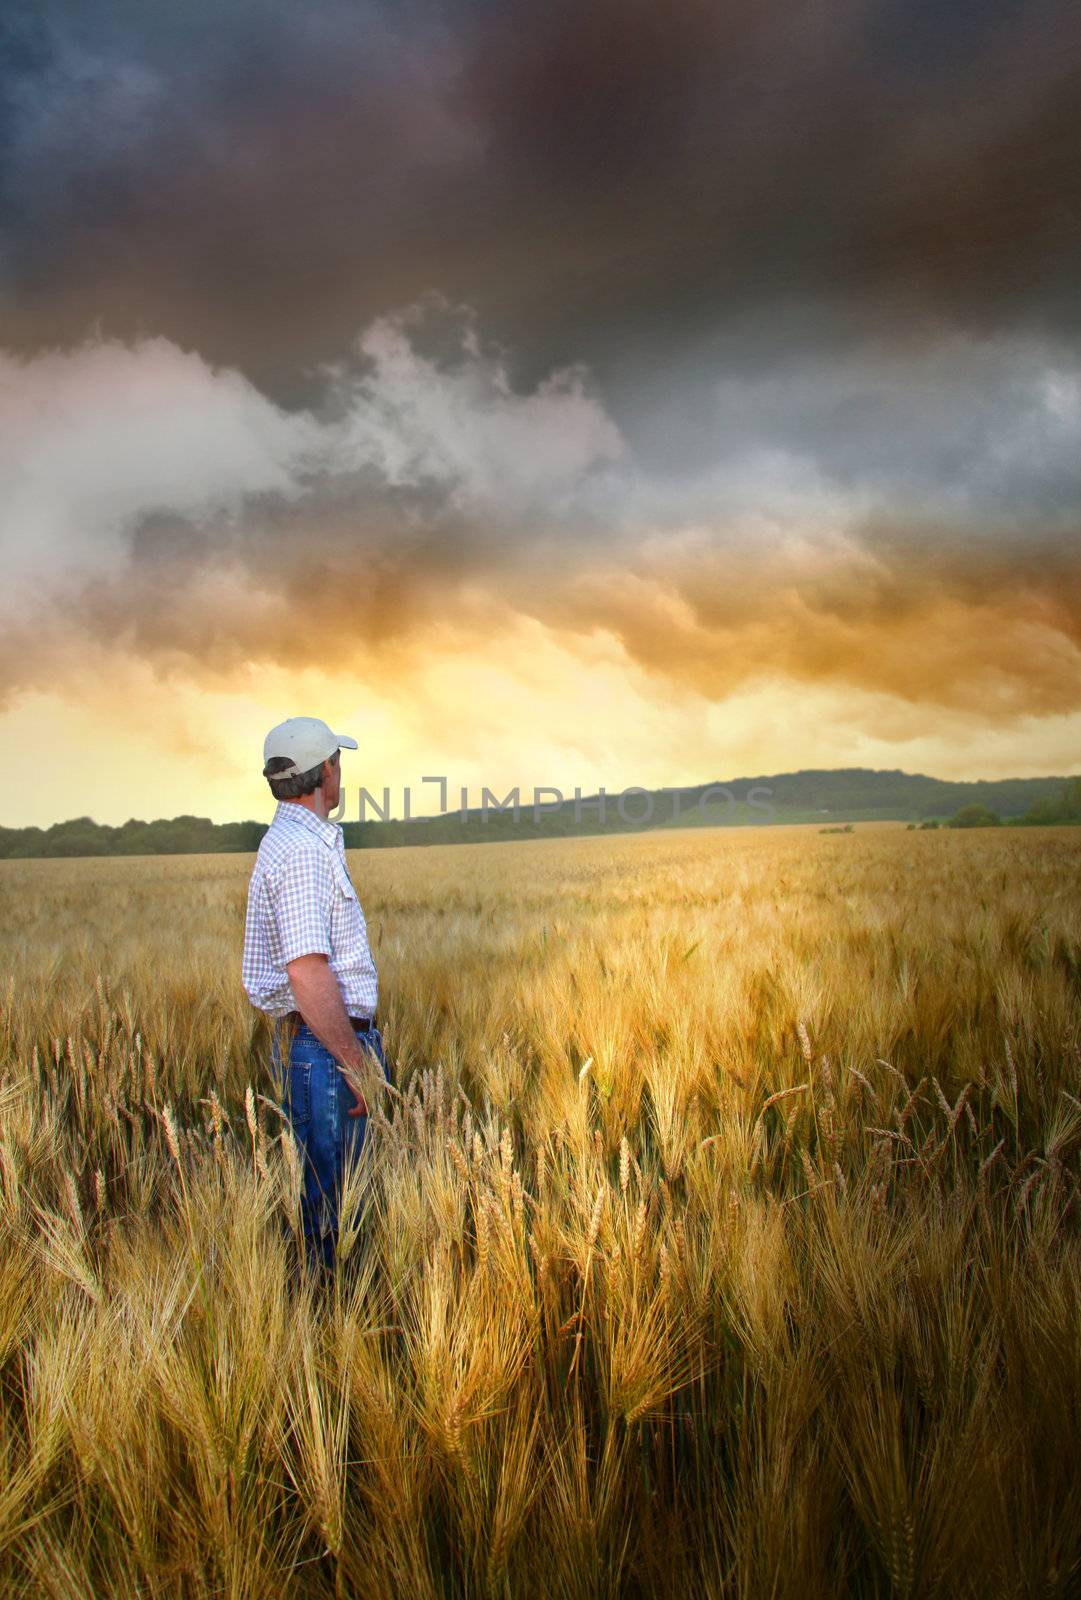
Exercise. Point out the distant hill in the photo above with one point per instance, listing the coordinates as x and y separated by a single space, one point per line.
847 794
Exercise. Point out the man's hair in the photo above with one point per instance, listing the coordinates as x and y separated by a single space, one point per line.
298 783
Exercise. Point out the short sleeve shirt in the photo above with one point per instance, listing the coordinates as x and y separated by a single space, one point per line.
301 901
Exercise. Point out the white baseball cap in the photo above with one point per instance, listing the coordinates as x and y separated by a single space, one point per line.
306 742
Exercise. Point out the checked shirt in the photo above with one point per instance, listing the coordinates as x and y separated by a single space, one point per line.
301 900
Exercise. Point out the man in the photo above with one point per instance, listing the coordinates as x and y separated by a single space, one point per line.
308 965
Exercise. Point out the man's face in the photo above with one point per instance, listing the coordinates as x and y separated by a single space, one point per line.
332 781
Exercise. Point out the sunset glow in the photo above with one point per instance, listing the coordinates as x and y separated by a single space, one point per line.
516 392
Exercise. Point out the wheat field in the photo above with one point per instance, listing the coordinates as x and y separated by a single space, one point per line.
724 1243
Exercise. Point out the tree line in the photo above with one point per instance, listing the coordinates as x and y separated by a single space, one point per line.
189 835
1048 811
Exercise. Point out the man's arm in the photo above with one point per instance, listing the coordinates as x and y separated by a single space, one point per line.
319 1001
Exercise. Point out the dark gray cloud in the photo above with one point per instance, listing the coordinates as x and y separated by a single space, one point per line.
759 345
603 180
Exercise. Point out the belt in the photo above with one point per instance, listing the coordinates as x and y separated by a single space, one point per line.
358 1024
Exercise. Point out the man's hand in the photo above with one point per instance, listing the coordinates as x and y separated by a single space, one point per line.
319 1001
360 1105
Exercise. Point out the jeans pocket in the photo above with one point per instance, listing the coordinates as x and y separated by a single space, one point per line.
300 1092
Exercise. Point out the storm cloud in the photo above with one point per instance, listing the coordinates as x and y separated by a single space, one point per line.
259 181
746 334
858 524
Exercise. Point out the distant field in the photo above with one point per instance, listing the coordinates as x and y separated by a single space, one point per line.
779 1296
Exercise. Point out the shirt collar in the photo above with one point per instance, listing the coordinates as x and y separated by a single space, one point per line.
300 816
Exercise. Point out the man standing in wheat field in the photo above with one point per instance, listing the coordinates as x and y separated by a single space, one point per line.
307 965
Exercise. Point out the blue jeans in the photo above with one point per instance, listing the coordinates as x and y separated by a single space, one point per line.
316 1100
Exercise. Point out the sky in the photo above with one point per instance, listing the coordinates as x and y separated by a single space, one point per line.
609 393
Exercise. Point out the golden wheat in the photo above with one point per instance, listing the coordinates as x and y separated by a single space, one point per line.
722 1240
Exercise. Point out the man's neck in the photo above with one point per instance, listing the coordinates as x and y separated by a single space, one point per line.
311 802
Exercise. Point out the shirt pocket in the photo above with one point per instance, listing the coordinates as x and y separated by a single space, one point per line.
346 892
